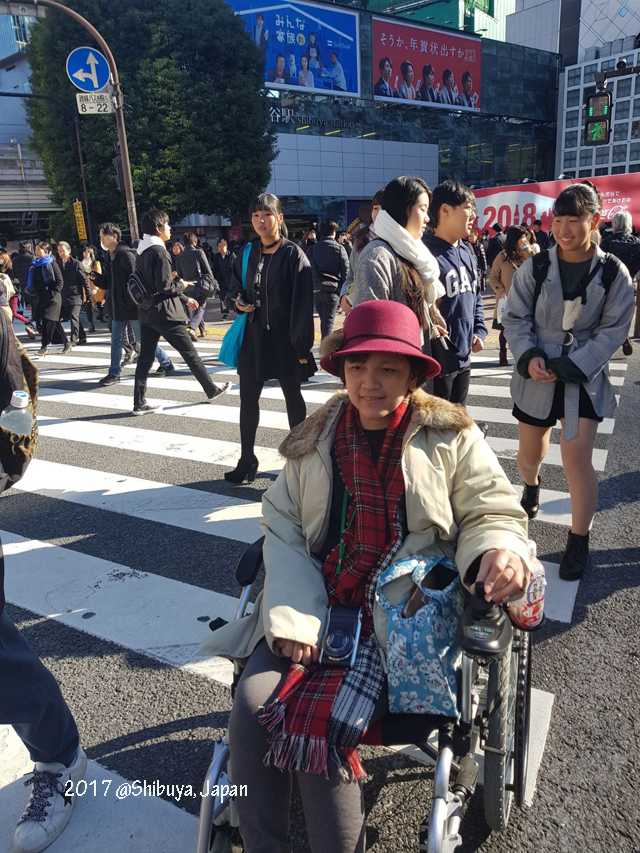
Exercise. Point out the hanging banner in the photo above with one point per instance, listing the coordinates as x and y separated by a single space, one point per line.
425 67
523 203
306 47
78 215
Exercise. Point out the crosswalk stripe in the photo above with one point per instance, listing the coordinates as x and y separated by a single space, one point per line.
171 445
150 614
103 819
178 506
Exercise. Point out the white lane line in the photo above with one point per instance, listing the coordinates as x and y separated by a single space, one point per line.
100 820
174 446
173 408
555 506
178 506
152 615
225 453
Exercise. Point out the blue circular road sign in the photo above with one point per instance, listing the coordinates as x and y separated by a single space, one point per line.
88 69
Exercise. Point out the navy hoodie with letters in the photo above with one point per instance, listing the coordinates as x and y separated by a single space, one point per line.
461 305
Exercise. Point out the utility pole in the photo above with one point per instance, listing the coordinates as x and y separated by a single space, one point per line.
118 102
83 177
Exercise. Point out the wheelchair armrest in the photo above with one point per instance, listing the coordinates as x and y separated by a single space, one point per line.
250 563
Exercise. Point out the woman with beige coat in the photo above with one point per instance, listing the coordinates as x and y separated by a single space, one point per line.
379 473
517 248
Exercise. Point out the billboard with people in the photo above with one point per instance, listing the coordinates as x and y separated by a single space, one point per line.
426 67
305 46
522 204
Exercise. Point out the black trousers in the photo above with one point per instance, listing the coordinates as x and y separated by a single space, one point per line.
31 702
71 312
250 390
175 333
52 332
453 387
327 307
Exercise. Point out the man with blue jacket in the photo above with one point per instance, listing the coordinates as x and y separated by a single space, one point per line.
452 213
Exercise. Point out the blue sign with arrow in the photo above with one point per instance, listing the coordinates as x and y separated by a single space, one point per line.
88 69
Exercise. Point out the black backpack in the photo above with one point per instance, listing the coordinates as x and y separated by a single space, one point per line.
541 263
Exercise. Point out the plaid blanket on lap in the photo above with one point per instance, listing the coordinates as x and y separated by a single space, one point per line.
321 713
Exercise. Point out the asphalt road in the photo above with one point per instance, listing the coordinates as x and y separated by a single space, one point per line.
112 574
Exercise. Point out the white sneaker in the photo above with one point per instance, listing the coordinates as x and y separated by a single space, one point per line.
48 810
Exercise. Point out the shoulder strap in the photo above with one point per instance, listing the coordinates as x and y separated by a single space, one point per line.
245 263
610 271
541 263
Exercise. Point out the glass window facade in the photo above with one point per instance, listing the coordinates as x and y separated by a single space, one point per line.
589 71
620 131
586 156
571 139
636 107
570 159
572 118
621 110
512 138
574 77
619 153
573 98
623 89
602 154
634 151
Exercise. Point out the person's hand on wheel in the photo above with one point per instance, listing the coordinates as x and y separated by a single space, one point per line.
504 575
538 370
298 652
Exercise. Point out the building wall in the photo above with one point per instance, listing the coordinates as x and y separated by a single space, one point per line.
14 78
326 166
622 154
604 21
535 23
494 26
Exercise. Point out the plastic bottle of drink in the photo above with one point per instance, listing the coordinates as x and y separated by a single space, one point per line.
17 417
527 612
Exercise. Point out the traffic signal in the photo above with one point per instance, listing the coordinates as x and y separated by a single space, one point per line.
598 119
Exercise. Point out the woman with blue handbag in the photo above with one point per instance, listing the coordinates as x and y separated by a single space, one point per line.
273 290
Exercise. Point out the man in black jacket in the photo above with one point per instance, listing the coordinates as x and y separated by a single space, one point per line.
192 266
119 266
74 292
621 243
30 699
495 244
165 316
222 269
330 267
542 238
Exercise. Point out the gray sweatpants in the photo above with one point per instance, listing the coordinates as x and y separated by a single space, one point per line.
333 810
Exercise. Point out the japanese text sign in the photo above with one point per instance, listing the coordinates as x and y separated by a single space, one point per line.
426 67
305 46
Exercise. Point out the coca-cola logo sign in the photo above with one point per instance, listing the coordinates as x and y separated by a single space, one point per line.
523 204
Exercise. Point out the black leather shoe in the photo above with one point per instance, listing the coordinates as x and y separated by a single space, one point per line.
575 559
109 379
627 347
530 502
244 472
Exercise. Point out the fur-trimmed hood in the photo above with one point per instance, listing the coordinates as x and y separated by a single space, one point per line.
428 411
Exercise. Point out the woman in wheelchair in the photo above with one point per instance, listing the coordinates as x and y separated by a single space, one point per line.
379 473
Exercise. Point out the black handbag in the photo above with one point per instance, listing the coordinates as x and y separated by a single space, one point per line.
444 353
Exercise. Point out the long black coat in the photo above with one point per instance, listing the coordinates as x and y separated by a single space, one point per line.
74 289
281 330
47 295
115 274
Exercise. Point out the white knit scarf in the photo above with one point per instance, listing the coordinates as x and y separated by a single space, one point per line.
412 250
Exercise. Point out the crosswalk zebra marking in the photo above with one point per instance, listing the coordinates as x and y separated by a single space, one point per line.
178 506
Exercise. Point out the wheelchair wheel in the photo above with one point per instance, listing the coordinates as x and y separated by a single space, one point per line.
523 716
498 785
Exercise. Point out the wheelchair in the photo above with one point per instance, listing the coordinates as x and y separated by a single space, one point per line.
494 700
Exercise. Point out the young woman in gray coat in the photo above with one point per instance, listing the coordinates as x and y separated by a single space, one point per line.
562 343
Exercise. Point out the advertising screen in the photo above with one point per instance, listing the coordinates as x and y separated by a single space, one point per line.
425 67
523 203
306 47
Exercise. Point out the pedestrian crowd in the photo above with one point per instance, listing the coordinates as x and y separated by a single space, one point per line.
410 279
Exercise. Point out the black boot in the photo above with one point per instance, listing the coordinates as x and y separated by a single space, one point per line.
530 502
245 471
575 559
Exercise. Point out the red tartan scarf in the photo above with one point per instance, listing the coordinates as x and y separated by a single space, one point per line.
305 723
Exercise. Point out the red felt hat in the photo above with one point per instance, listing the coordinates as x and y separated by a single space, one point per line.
378 326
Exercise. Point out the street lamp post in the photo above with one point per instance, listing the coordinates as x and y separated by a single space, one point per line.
118 99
